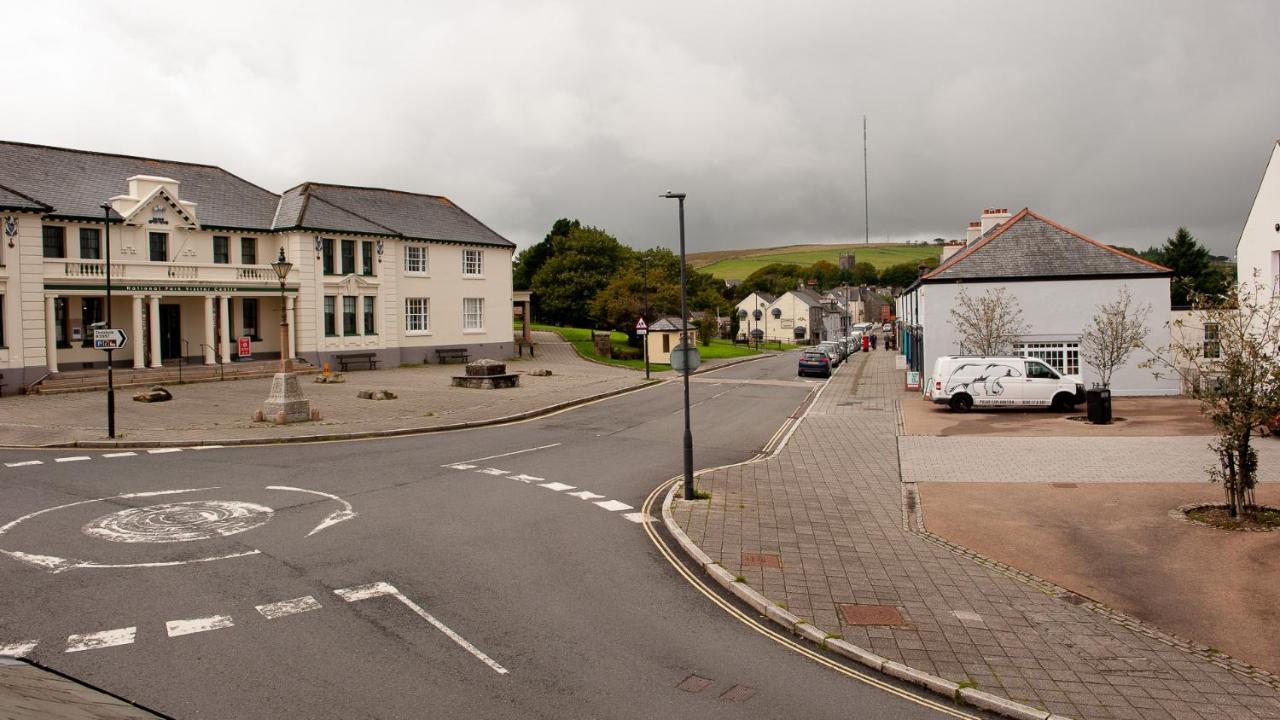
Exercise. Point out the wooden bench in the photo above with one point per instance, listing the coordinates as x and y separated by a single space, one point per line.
447 355
348 358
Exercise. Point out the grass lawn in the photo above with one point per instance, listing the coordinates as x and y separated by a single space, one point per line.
581 339
739 266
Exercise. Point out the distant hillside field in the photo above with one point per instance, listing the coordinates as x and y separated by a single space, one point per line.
738 264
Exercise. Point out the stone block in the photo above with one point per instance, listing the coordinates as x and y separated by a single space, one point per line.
286 403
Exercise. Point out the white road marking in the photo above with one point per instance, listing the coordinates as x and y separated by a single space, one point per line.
460 466
119 454
526 478
196 625
640 518
613 505
162 451
284 608
493 471
73 458
509 454
364 592
18 649
586 495
346 513
556 486
24 463
205 447
106 638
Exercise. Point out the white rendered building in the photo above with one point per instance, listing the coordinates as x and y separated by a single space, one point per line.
393 273
1258 251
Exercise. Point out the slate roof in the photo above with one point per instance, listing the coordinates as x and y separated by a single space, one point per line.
373 210
75 183
1030 246
13 200
668 324
810 297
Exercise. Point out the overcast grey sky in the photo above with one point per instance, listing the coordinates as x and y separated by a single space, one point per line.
1122 120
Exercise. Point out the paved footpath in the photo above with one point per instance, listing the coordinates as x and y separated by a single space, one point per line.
827 529
221 412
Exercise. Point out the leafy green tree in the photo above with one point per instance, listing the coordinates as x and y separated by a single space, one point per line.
864 273
649 286
582 264
532 258
900 275
774 278
1194 271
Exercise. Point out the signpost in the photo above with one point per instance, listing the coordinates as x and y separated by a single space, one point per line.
109 339
244 348
642 331
685 359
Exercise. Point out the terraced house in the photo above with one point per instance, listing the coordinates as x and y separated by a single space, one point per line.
397 274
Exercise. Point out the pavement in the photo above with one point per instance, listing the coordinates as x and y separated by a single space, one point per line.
827 530
29 692
221 412
498 572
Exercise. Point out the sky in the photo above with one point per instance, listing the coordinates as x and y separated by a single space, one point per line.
1122 120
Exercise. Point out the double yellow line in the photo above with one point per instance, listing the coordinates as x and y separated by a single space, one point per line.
767 631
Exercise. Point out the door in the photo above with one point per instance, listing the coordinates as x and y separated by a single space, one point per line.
1040 384
170 332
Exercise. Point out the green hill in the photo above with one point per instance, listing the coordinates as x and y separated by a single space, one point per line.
738 264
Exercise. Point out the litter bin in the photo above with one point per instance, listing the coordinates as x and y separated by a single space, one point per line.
1098 404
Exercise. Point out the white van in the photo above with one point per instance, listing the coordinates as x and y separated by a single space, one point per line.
964 381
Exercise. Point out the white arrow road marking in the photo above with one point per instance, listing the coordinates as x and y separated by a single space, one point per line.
284 608
18 649
162 451
586 495
372 590
639 517
526 478
195 625
119 454
506 454
460 466
106 638
337 516
613 505
556 486
492 471
24 463
73 458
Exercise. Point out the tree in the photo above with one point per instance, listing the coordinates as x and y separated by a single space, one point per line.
1194 271
532 258
1113 333
989 324
1235 373
774 278
900 275
581 265
864 273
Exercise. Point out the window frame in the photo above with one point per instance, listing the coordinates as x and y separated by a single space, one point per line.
422 313
152 237
1212 340
330 308
2 343
89 318
245 304
349 301
61 322
96 234
423 255
225 242
47 233
466 314
347 269
368 317
327 265
250 243
366 258
467 255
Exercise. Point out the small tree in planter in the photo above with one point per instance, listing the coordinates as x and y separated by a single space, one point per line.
989 324
1233 366
1115 331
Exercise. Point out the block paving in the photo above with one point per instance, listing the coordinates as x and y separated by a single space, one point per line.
833 506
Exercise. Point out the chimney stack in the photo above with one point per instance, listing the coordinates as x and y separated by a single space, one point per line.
993 217
972 233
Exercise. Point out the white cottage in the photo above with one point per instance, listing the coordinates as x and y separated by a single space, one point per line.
1258 251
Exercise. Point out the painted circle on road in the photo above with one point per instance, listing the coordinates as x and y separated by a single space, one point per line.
179 521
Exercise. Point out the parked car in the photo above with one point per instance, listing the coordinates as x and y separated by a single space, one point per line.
963 381
815 362
887 327
833 350
855 341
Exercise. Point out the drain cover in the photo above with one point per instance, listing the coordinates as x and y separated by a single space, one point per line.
694 684
854 614
761 560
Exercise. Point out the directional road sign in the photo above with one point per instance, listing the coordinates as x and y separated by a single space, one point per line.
109 338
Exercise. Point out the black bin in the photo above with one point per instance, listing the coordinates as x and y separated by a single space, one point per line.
1098 403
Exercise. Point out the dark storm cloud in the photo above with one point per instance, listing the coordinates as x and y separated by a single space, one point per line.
1122 120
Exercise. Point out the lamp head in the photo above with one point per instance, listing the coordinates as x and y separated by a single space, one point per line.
672 195
282 267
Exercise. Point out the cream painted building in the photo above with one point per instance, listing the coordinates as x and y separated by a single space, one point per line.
393 273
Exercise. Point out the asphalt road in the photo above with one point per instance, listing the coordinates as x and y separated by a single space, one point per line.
465 593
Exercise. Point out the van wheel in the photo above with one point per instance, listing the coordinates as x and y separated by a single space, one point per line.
961 403
1062 402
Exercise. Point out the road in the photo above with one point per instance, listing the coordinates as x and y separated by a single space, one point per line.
498 573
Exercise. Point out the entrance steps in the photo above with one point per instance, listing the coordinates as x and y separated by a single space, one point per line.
96 379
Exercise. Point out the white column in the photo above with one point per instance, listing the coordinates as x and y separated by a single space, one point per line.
139 338
224 310
291 312
209 358
51 332
154 312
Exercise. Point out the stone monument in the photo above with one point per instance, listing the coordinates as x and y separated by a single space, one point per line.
286 397
486 375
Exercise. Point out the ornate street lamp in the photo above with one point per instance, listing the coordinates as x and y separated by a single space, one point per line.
282 268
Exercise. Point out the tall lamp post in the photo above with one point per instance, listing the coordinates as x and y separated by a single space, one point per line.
684 348
282 268
111 385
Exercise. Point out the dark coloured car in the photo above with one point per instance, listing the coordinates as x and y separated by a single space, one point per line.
815 362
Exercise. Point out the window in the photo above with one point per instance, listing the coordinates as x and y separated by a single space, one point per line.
249 317
415 260
60 322
90 312
326 252
90 244
473 262
472 313
368 302
221 249
55 241
1212 341
349 315
1061 356
1040 371
330 323
417 315
159 247
2 321
248 251
348 257
366 257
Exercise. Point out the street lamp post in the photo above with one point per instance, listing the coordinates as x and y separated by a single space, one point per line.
282 268
286 403
684 348
111 385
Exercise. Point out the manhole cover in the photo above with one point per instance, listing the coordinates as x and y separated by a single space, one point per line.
738 693
855 614
761 560
694 684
